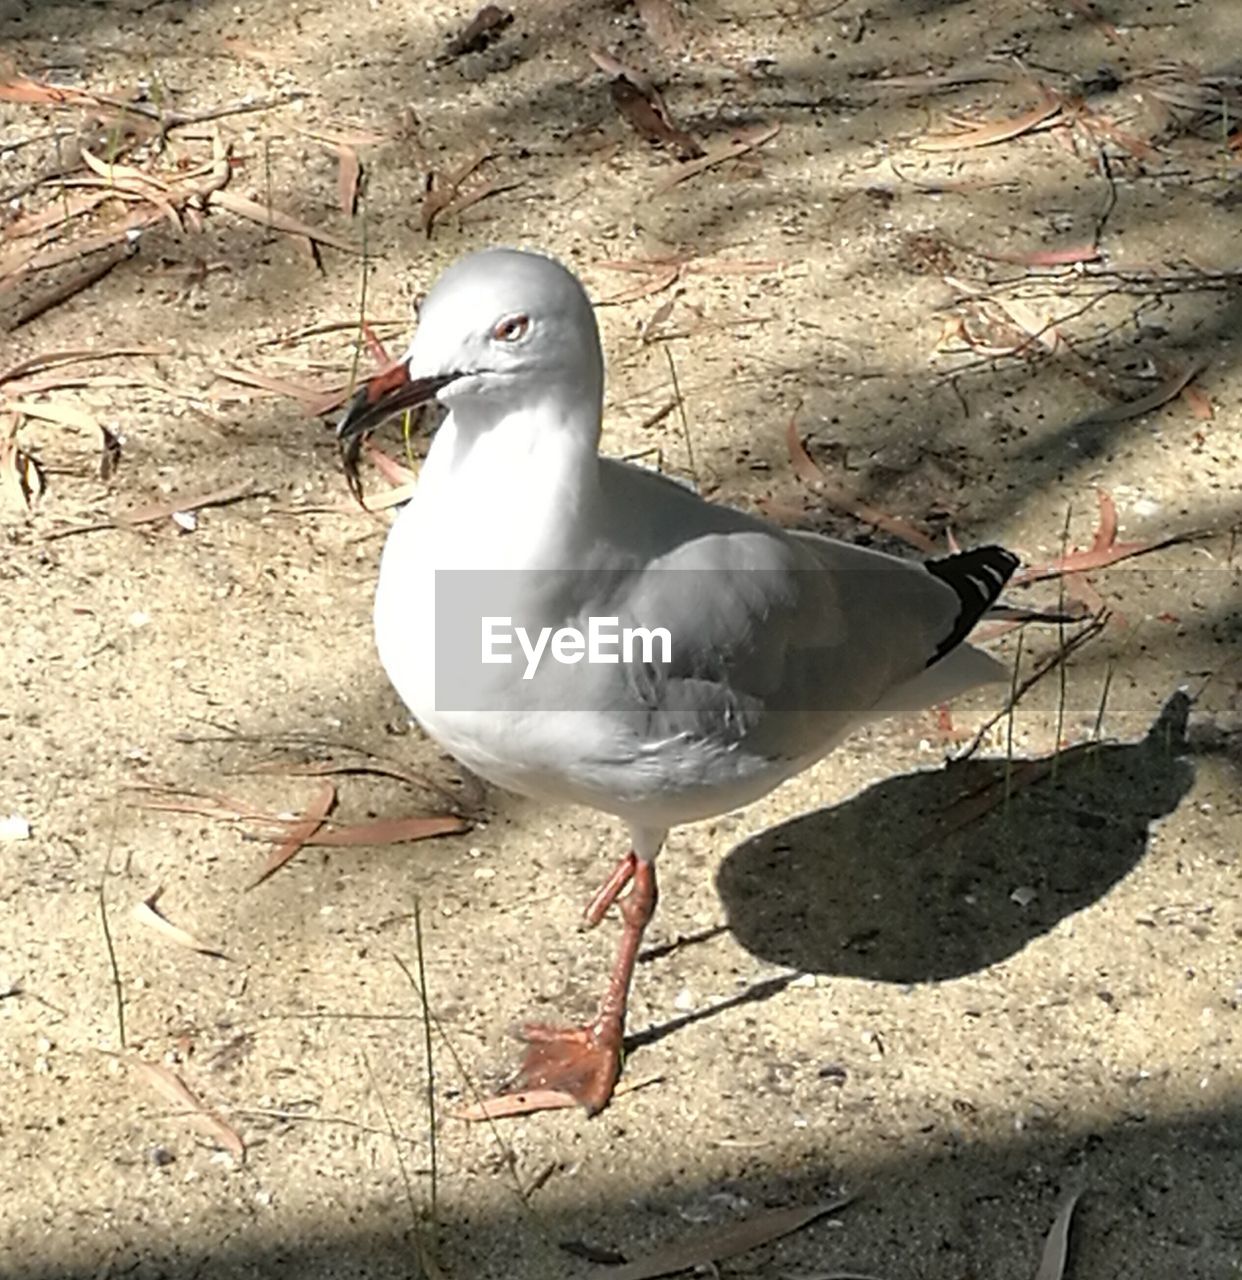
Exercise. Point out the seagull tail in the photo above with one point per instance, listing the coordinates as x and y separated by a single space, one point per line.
958 671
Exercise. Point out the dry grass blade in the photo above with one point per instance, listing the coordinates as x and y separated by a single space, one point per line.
986 135
305 827
277 220
173 1089
746 140
1056 1246
147 913
725 1242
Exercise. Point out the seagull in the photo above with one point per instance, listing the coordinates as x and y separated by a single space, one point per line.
781 642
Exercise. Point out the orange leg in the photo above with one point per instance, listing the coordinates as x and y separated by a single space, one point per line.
585 1062
622 874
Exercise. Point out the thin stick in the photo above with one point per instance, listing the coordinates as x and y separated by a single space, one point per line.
267 178
1089 632
274 1113
360 337
431 1072
1061 671
1097 728
510 1159
681 409
1013 703
117 988
426 1263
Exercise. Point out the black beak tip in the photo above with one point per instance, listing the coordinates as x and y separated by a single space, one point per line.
354 420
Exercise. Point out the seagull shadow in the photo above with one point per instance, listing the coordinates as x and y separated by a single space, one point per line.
930 876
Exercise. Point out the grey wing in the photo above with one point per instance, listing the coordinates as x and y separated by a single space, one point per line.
777 643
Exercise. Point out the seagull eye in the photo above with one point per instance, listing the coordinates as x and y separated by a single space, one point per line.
511 328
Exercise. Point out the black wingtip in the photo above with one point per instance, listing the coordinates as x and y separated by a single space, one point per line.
978 577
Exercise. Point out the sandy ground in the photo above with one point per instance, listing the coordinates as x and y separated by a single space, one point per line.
958 1012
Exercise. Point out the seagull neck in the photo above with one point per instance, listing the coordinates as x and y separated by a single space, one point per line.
531 470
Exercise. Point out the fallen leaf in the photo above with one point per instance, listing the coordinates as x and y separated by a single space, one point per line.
51 359
1068 256
641 103
506 1105
806 469
36 92
663 277
744 141
389 498
308 396
68 415
1167 390
173 1089
388 831
503 1106
483 29
55 255
21 481
162 510
1200 406
471 198
1104 550
1056 1246
389 468
277 220
148 913
349 173
1106 29
980 802
985 135
725 1242
663 23
300 833
441 192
